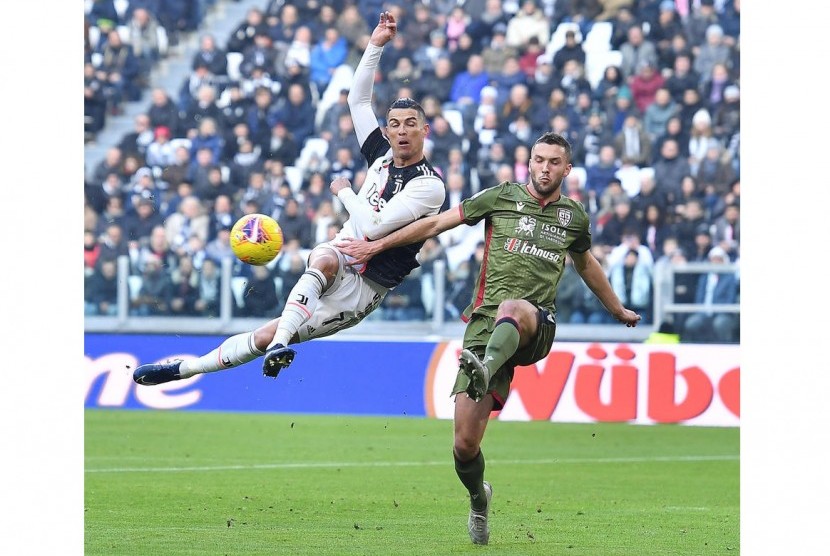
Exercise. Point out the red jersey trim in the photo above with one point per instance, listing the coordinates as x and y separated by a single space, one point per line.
482 280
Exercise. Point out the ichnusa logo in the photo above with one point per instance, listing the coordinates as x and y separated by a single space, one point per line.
516 245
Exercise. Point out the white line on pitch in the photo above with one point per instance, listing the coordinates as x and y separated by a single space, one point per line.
328 465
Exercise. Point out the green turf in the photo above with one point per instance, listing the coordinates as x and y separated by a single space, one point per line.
169 483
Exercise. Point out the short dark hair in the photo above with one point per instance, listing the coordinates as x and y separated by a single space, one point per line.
407 102
551 138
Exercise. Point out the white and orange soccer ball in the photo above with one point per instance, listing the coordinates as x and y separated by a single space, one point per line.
256 239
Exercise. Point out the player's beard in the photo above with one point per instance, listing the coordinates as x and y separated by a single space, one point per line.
547 189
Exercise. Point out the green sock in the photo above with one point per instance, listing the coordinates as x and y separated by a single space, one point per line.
471 474
502 345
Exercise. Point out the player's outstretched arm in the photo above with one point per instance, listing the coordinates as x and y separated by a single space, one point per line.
591 272
361 251
360 94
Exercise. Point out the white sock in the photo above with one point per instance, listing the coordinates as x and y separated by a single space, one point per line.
301 304
234 351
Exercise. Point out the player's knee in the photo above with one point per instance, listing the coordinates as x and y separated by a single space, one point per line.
465 448
518 310
326 262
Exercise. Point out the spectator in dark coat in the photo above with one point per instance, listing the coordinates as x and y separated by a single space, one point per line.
209 53
297 114
164 112
295 224
260 297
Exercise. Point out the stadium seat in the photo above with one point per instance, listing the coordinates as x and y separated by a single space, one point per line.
94 35
313 145
134 283
599 37
456 121
124 33
582 173
121 7
234 61
294 175
597 60
340 79
278 285
238 285
180 142
164 41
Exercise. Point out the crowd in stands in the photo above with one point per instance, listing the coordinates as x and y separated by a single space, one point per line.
647 91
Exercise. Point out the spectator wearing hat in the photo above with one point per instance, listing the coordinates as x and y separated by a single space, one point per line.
698 21
160 153
726 121
712 52
718 287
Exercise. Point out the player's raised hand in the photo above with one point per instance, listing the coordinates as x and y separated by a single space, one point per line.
359 250
385 31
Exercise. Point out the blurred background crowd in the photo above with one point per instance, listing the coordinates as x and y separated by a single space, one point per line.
648 93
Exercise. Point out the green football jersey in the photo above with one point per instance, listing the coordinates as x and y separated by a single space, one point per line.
524 245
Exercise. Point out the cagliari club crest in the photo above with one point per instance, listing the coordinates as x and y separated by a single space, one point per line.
564 216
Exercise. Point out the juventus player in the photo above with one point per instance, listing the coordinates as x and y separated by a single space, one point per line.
400 187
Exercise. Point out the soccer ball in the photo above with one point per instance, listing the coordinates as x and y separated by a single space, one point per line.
256 239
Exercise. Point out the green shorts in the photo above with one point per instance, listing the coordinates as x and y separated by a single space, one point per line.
478 332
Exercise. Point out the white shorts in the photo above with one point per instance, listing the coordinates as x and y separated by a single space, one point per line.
347 302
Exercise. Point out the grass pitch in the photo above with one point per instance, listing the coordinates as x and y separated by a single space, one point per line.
186 483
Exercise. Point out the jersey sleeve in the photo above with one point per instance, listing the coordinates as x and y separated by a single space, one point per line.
582 242
474 208
421 197
360 99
